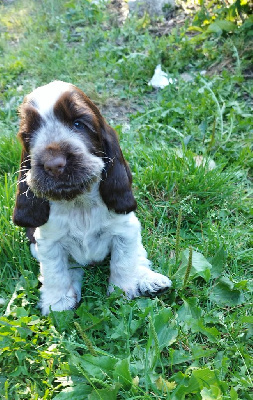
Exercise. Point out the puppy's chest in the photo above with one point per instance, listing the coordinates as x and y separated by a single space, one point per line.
88 237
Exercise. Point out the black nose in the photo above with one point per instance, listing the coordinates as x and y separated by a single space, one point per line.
55 166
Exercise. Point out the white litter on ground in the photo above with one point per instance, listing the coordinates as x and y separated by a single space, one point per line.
199 160
160 79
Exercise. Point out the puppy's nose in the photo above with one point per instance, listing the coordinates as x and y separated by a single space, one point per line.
55 166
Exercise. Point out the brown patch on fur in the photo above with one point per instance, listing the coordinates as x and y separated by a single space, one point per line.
30 122
72 106
29 211
116 184
30 234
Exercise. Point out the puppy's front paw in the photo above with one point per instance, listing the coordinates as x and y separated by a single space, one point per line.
153 284
66 301
145 282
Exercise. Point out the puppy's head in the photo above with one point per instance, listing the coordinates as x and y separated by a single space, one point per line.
67 146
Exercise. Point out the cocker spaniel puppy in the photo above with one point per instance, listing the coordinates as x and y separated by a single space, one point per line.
75 199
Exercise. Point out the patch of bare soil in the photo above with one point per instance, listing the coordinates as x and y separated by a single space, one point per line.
118 111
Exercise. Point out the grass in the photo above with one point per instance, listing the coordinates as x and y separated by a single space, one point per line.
194 342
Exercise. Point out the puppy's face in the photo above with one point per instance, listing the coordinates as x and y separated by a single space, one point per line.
67 146
61 131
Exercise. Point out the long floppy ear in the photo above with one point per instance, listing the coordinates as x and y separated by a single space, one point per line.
30 211
116 185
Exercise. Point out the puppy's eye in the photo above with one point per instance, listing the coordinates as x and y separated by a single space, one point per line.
79 125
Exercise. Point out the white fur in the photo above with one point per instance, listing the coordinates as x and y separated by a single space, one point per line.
87 231
47 95
84 229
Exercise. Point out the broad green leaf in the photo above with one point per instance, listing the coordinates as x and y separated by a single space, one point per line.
192 382
242 285
211 332
167 336
19 371
61 319
200 267
199 351
246 319
21 312
97 367
76 392
226 26
205 377
163 317
119 330
122 374
165 329
222 25
135 324
190 309
225 294
214 28
179 356
218 263
195 28
105 394
233 394
190 386
214 393
87 318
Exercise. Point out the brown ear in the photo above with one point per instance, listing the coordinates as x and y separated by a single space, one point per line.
116 185
29 211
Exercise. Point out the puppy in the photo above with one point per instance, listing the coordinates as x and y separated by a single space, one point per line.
75 198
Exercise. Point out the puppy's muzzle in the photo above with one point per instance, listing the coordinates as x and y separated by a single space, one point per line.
55 165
